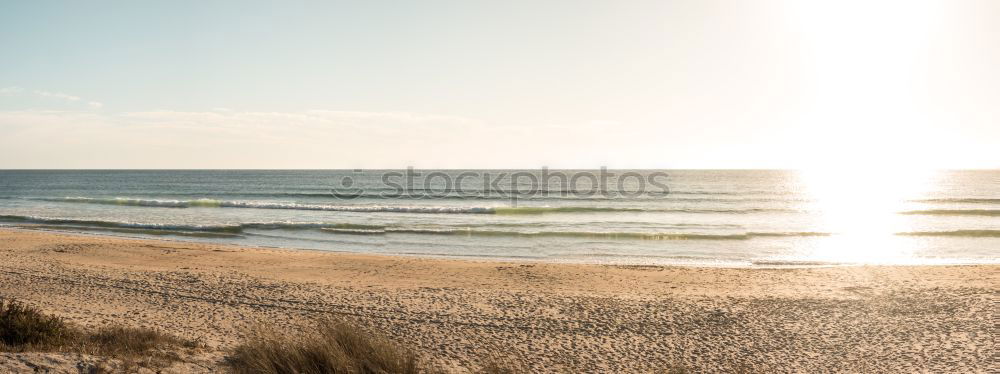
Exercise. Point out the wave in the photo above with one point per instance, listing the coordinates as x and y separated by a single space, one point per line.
958 233
520 193
144 231
793 263
421 194
309 226
955 212
219 228
138 202
961 200
528 191
211 203
522 210
234 230
358 208
572 209
733 193
432 194
573 234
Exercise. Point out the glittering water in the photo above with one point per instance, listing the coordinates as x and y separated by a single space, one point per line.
727 218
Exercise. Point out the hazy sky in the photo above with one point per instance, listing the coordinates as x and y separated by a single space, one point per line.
476 84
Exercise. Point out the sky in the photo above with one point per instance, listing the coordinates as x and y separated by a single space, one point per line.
511 84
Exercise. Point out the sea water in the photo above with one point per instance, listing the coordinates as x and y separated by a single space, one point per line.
681 217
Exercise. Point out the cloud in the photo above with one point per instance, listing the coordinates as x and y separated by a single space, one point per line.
57 95
307 139
10 91
49 95
326 139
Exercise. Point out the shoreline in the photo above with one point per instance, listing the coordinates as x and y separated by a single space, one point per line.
764 264
558 316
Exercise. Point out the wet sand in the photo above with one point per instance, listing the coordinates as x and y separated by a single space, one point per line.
556 317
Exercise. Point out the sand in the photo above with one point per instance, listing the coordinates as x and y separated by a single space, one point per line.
556 317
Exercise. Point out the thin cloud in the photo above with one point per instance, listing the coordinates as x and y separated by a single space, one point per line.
10 91
57 95
306 139
49 95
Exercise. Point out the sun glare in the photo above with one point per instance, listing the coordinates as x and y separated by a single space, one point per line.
860 207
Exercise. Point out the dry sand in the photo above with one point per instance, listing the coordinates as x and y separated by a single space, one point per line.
557 317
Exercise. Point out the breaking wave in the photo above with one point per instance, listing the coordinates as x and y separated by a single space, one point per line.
235 228
961 200
359 229
572 234
955 212
211 203
522 210
956 233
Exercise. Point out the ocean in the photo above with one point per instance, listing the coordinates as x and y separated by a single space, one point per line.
736 218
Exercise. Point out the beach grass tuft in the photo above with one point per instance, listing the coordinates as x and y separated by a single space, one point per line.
336 346
327 346
24 328
495 363
330 347
136 346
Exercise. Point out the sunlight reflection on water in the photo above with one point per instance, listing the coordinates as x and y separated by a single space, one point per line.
861 208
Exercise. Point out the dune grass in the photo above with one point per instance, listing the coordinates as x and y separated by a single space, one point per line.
333 347
330 347
497 363
27 329
326 347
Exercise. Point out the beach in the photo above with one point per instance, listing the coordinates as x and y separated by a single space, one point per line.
555 317
502 187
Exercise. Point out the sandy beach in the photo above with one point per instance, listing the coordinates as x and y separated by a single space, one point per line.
556 317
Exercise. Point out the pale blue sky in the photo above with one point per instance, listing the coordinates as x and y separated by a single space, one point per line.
337 84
